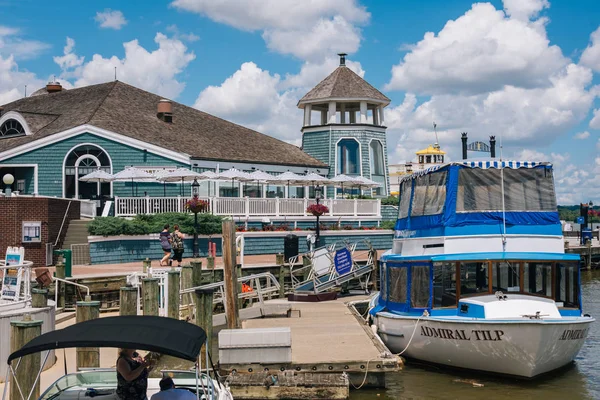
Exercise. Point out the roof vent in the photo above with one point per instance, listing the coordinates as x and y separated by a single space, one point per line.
342 59
164 110
53 87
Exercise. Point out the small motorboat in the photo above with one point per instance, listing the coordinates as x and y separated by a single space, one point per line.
477 277
162 335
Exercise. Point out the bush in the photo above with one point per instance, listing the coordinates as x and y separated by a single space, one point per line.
390 201
387 225
208 224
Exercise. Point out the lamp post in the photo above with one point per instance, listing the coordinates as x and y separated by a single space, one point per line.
318 230
8 180
195 194
592 214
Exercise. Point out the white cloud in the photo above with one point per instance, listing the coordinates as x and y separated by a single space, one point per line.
69 59
177 34
595 121
591 55
582 135
12 44
312 73
524 9
112 19
155 71
13 80
309 30
480 51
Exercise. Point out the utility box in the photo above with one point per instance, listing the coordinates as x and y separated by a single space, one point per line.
586 234
290 247
255 346
67 259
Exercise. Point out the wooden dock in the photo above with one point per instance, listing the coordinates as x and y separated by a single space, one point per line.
328 337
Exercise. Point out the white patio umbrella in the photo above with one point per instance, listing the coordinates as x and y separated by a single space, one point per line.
261 176
340 180
135 175
97 176
235 175
361 182
180 175
209 176
292 179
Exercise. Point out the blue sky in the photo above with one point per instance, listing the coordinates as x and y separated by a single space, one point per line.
524 70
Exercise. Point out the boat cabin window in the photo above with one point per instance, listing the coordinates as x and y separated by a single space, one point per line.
430 194
419 286
405 195
444 285
567 283
525 189
537 278
505 277
397 284
474 278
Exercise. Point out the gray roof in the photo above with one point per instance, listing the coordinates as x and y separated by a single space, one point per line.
129 111
344 83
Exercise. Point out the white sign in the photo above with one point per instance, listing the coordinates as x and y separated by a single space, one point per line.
11 278
32 232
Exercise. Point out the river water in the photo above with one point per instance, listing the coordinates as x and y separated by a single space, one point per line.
579 381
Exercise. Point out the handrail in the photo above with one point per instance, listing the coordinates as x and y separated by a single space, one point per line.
63 223
70 283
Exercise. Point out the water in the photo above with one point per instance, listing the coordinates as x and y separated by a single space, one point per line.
580 381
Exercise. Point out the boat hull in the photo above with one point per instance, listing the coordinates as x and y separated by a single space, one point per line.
518 348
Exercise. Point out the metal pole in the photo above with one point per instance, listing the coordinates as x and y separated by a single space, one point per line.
318 230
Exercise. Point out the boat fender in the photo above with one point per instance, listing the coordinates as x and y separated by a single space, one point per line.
374 328
587 315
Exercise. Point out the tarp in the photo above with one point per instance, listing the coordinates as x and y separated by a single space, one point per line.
158 334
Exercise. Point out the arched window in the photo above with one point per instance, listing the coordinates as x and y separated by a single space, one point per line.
348 154
11 128
377 164
81 161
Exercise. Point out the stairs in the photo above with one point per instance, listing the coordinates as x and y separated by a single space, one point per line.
77 234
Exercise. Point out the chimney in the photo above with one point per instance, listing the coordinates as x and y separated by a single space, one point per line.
164 111
463 137
493 146
342 59
53 87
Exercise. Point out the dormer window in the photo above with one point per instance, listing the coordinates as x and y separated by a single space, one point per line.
11 128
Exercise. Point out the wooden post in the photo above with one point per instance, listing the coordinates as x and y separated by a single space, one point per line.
128 301
61 286
375 273
187 272
210 262
281 281
87 357
279 259
589 257
22 332
150 293
232 312
146 265
39 298
196 273
204 317
173 282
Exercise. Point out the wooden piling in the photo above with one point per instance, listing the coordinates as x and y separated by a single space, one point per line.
146 265
21 332
87 357
187 272
196 273
150 294
128 301
39 298
61 287
589 257
210 262
279 259
232 312
173 282
204 317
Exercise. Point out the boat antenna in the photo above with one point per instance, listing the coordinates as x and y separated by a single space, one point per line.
437 143
503 205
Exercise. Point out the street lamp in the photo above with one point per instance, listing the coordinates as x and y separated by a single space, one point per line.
589 212
8 180
318 230
195 188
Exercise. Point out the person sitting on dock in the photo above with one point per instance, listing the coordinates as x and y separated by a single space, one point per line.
168 391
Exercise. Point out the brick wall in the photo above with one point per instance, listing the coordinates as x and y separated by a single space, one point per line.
50 211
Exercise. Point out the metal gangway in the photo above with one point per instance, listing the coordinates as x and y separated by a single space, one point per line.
321 273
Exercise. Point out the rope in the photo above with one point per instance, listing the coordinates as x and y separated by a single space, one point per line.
425 314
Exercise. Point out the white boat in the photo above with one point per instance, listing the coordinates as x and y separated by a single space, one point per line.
477 277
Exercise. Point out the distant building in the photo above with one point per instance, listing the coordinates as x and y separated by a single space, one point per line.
426 158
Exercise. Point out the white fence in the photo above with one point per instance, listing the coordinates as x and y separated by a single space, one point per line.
247 207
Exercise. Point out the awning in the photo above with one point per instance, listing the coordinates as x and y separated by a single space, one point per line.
159 334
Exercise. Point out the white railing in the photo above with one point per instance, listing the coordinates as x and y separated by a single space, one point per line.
248 207
87 208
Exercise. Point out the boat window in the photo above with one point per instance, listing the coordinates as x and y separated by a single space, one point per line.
398 280
444 285
525 189
383 283
474 278
430 194
505 277
537 278
419 286
405 193
567 282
